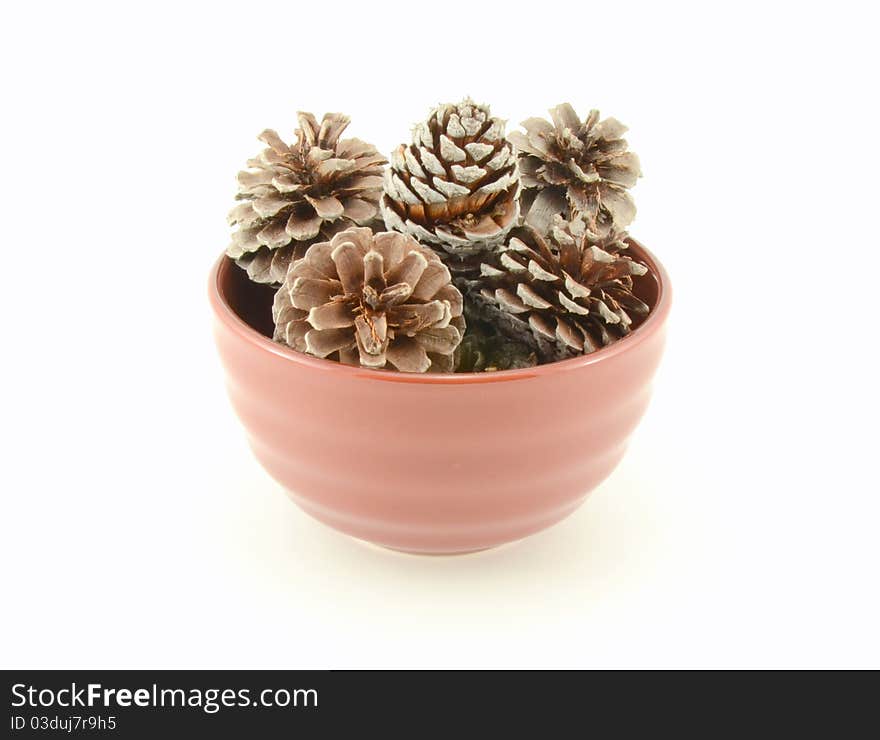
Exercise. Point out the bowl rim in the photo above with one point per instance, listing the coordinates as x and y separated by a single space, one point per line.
656 319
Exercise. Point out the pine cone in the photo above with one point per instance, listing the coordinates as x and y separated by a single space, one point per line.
457 185
565 297
579 170
296 195
372 300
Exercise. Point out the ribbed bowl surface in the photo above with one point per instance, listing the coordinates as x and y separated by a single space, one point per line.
434 464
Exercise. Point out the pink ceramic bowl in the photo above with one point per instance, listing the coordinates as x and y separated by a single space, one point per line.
434 463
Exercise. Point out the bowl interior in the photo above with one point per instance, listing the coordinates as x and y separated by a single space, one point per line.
250 301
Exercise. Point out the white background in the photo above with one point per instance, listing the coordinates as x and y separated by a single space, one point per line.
740 530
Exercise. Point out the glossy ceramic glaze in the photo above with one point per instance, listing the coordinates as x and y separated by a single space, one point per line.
434 463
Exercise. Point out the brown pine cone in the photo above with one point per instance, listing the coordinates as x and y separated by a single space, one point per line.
373 300
456 187
293 196
564 297
576 169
